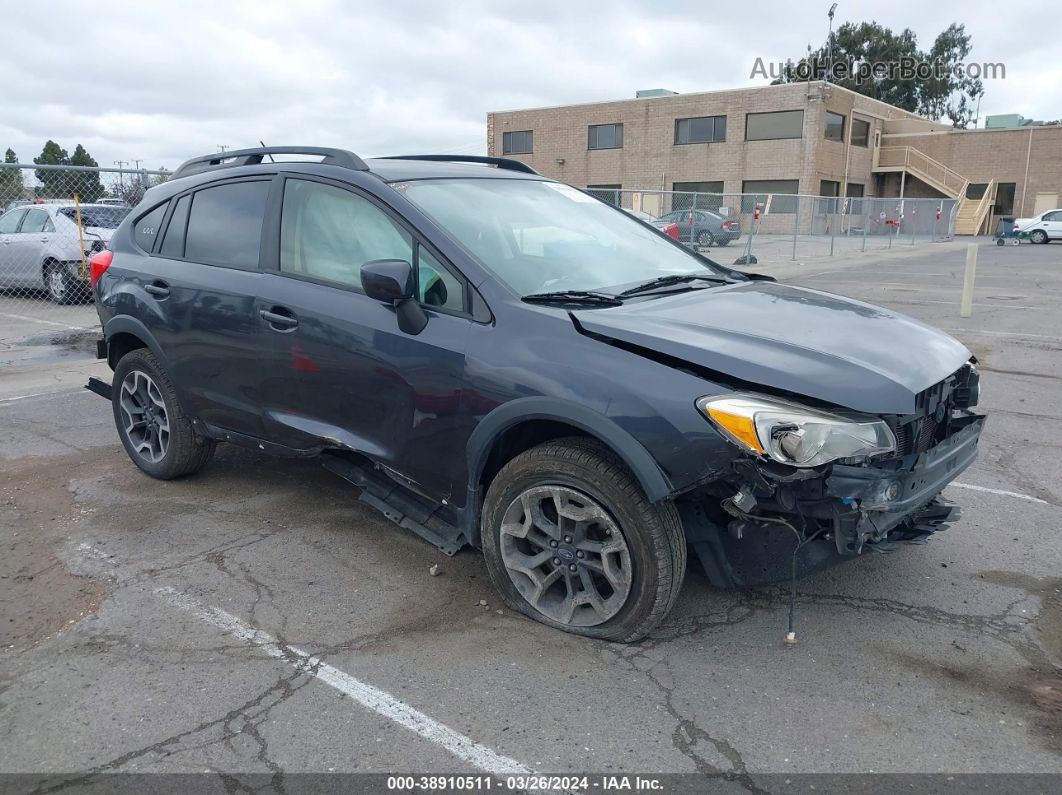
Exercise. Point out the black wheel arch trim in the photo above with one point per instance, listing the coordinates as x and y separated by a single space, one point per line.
652 479
130 325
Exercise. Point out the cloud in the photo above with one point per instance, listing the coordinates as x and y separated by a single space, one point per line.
163 83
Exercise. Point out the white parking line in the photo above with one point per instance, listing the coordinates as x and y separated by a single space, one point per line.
44 395
1002 333
1000 492
375 699
45 322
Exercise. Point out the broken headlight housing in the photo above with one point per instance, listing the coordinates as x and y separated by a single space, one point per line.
793 434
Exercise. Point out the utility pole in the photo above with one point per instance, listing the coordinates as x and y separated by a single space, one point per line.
121 176
223 147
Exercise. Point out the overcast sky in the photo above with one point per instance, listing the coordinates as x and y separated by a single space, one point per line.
168 80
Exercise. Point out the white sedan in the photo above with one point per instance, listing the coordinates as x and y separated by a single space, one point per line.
1043 228
40 247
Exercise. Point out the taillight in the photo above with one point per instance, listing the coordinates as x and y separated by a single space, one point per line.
671 230
100 261
728 225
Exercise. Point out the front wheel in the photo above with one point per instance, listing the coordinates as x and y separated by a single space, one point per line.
1039 236
571 540
156 434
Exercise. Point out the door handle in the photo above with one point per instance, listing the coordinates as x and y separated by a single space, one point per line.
45 239
157 289
278 321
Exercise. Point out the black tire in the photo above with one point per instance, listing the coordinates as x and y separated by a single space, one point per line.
185 451
1038 236
705 239
62 288
653 533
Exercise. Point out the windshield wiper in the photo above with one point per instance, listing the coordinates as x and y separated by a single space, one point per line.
573 297
674 278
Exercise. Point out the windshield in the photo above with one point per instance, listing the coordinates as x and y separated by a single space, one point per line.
543 236
103 217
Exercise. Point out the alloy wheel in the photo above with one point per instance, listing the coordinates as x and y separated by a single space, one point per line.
145 420
566 555
56 284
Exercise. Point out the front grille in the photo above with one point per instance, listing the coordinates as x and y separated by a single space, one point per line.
915 436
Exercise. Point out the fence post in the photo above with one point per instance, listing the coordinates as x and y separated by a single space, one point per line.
866 222
796 223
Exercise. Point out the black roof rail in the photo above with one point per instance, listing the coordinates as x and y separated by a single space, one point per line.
251 157
500 162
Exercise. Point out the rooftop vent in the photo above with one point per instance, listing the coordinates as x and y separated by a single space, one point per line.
646 93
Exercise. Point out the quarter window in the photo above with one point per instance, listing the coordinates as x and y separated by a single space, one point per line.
834 126
517 143
437 286
605 136
700 130
147 228
329 233
225 224
774 125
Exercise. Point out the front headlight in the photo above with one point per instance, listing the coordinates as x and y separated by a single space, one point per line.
794 434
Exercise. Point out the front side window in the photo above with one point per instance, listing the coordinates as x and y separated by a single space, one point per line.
35 221
9 222
700 130
537 236
834 126
225 224
517 143
605 136
774 125
329 233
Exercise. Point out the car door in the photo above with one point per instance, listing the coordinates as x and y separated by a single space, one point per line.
28 247
337 370
9 223
199 288
1052 224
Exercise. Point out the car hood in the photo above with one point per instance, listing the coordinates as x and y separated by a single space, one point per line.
835 349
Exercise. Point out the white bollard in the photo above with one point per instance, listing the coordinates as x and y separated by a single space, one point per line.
966 308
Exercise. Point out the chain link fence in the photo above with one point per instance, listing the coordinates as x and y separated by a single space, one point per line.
776 227
52 220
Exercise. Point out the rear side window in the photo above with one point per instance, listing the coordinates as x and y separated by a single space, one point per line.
173 242
35 221
147 228
225 224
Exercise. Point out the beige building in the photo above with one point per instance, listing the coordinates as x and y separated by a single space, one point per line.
812 138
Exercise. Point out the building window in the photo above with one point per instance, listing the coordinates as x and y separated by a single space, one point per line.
607 193
605 136
860 132
701 130
697 195
834 126
830 189
854 192
756 190
774 125
517 143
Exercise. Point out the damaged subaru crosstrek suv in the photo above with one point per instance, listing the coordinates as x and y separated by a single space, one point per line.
505 362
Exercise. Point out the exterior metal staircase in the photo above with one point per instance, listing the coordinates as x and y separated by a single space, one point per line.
971 214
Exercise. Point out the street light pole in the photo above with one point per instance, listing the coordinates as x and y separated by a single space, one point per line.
829 44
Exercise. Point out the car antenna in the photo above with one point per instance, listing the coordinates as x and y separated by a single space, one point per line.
271 160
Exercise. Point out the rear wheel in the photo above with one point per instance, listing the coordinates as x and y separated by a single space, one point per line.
1038 236
156 434
62 287
705 239
571 540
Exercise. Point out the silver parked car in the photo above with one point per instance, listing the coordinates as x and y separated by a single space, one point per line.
40 248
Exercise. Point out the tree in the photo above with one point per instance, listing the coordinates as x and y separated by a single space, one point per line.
86 184
873 60
52 180
11 185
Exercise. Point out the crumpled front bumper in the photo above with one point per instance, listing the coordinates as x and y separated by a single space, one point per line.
844 510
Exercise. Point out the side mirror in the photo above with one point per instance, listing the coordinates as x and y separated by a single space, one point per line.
391 281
